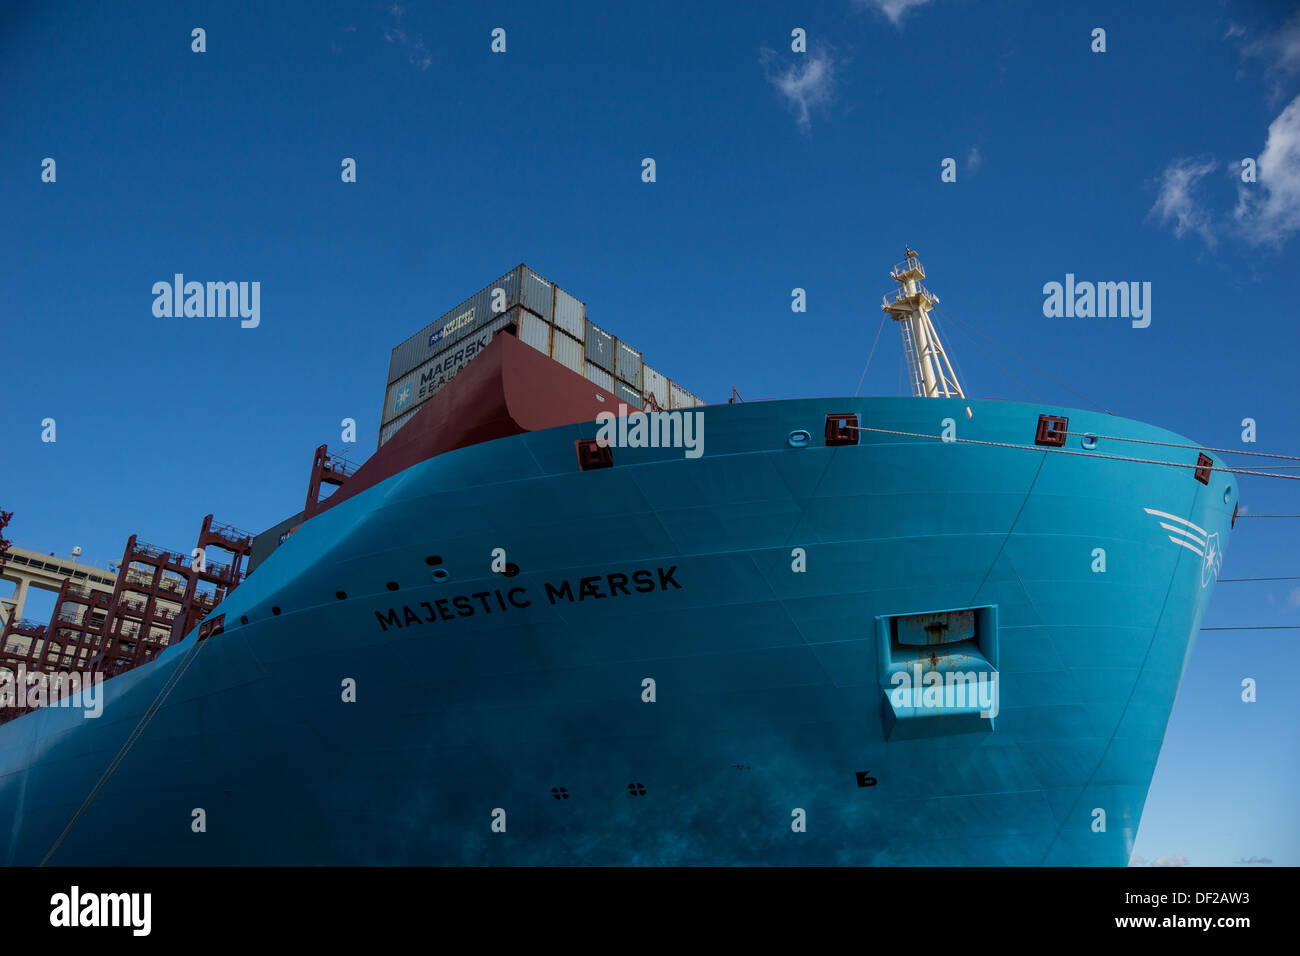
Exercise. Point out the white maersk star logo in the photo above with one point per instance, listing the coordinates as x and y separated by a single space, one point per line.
1196 539
1213 559
403 398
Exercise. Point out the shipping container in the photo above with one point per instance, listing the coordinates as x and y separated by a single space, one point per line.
549 320
270 539
600 347
567 351
600 376
629 365
416 387
534 331
389 430
570 314
626 393
652 383
466 318
539 295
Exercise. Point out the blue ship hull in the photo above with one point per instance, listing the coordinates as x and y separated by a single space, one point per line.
770 685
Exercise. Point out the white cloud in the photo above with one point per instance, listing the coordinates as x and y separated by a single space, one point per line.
1268 211
1280 52
1234 30
1173 859
1294 597
1177 200
894 10
806 85
413 44
974 159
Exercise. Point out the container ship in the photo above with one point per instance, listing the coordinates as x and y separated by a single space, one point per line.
568 613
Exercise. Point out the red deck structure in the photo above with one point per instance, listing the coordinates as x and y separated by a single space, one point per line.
159 597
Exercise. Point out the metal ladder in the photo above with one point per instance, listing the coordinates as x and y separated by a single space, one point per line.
909 352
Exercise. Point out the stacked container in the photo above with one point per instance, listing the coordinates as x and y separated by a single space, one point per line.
548 319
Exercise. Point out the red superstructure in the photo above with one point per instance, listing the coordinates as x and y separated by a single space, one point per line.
508 389
160 595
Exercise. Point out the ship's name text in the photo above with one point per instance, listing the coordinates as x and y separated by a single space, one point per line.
596 587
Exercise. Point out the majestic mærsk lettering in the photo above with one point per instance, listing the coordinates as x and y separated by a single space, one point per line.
594 587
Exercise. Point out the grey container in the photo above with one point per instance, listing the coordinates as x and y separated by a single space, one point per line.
626 393
570 314
652 383
389 430
678 397
423 382
567 351
454 324
600 347
539 295
600 377
270 539
629 365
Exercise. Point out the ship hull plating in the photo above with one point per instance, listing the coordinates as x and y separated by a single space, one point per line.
769 737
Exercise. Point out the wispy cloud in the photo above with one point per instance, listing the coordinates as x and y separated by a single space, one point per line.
974 159
894 10
1257 860
1278 50
805 85
1268 211
1294 597
411 43
1173 859
1178 203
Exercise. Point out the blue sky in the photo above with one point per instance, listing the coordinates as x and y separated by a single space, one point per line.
775 170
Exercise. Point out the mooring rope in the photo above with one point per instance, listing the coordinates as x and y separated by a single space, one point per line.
1066 451
164 692
1167 444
